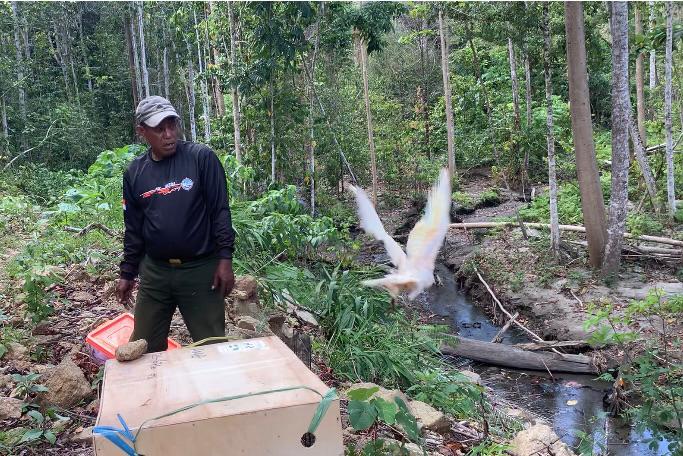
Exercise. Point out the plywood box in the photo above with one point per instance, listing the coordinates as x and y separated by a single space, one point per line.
267 424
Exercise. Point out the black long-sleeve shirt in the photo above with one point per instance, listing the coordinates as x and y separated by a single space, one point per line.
175 208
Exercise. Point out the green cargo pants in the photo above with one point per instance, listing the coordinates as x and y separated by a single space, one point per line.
187 286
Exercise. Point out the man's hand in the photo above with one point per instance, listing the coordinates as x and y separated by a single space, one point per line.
124 288
223 278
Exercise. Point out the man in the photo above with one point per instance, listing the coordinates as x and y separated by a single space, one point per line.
179 235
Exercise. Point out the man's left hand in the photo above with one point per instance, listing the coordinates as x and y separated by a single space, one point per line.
223 278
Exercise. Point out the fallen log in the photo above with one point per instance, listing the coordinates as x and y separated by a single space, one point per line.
576 228
509 356
548 344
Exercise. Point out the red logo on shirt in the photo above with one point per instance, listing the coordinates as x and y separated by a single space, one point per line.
165 190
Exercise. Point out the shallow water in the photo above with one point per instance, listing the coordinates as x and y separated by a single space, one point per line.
551 398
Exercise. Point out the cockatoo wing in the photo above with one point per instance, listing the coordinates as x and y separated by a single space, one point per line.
426 237
370 222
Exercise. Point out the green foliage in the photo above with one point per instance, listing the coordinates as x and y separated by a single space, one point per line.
568 207
27 386
639 224
464 199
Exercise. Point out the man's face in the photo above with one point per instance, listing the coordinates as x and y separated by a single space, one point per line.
162 138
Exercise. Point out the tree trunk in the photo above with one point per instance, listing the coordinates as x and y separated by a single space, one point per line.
621 111
235 93
84 49
220 101
191 99
167 76
131 63
272 128
641 158
5 125
202 83
143 52
57 54
552 173
592 203
653 58
311 108
640 84
422 43
487 102
368 113
20 69
527 80
515 84
668 64
136 60
450 124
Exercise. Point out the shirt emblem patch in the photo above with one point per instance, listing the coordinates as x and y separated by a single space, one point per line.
186 184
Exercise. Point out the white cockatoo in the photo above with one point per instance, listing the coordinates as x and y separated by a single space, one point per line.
414 271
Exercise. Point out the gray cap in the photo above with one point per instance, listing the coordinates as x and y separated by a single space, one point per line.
152 110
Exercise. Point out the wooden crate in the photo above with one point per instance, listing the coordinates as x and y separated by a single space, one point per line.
266 424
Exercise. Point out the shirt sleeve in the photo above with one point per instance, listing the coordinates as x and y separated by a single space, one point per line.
133 242
216 197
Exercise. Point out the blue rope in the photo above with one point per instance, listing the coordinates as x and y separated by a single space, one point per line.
114 436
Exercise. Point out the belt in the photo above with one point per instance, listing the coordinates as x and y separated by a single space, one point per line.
179 261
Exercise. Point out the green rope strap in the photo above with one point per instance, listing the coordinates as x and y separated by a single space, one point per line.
320 411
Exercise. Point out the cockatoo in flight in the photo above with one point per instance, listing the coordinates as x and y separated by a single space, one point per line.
414 268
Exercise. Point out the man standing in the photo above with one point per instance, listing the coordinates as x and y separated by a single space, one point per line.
179 234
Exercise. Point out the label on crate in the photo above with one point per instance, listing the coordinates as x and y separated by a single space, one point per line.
245 345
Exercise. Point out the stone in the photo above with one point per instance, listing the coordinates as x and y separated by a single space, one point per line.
539 440
83 296
132 350
66 385
521 415
306 317
245 288
394 447
82 435
16 352
472 377
5 381
60 425
248 323
430 418
10 407
275 323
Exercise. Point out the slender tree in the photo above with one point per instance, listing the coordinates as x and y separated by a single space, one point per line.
363 53
592 203
552 173
640 83
235 91
445 55
19 67
641 158
136 61
668 64
311 107
189 90
621 111
653 58
143 50
220 101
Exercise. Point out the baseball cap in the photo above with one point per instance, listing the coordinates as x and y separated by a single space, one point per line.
152 110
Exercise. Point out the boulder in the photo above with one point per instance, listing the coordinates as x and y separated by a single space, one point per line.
16 352
472 376
430 418
10 407
132 350
245 288
66 385
248 323
82 435
5 381
539 440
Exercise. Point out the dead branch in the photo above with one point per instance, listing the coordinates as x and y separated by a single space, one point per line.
576 228
21 154
499 336
93 226
547 345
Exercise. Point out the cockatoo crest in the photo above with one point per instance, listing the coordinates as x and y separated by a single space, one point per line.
414 269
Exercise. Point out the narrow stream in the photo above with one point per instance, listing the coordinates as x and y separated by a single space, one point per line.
551 398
